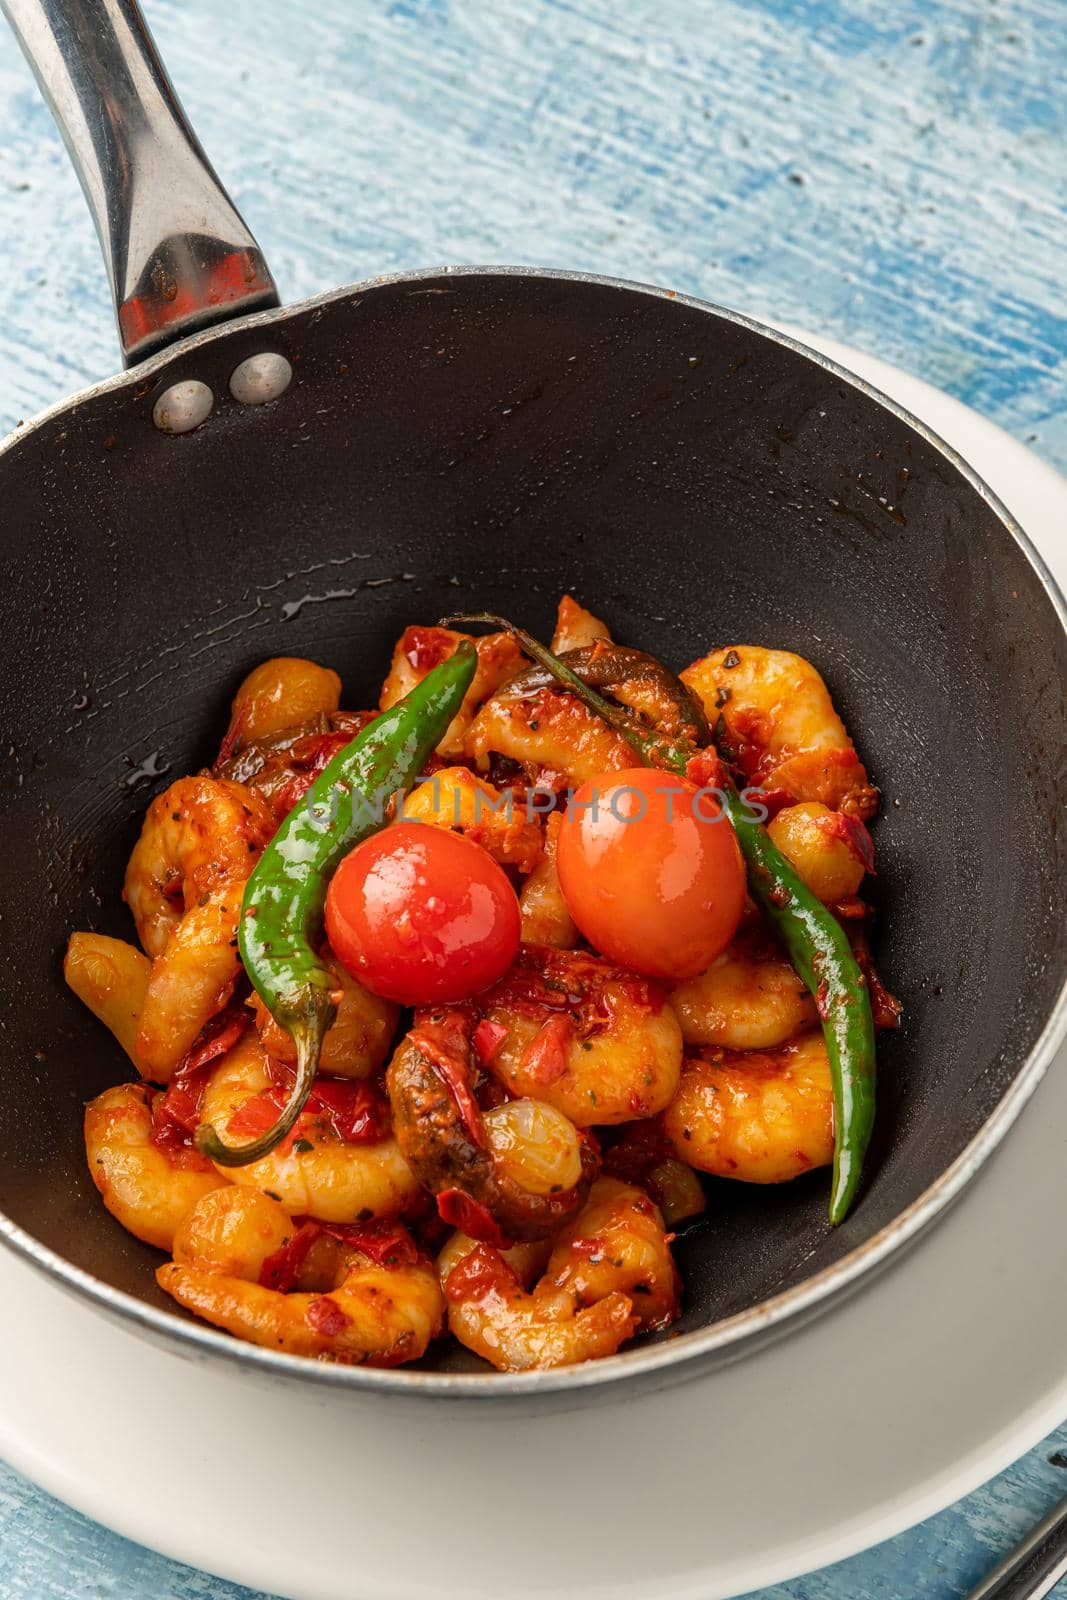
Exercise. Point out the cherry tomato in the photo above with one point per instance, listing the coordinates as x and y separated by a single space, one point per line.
651 872
421 915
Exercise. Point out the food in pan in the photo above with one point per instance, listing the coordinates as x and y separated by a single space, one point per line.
444 1015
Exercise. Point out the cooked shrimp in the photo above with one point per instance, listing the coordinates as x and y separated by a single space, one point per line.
200 840
314 1172
366 1313
576 627
146 1186
454 798
776 718
596 1042
762 1117
831 851
358 1041
515 1172
418 650
278 694
233 1231
111 978
749 999
545 918
552 735
609 1276
618 1243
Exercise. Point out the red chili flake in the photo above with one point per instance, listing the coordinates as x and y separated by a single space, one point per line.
481 1273
446 1045
314 756
545 1057
772 800
821 1001
461 1211
217 1037
357 1113
487 1039
427 647
851 831
706 770
258 1113
387 1243
281 1269
176 1113
326 1317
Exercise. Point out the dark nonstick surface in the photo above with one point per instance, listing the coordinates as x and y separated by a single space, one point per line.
491 440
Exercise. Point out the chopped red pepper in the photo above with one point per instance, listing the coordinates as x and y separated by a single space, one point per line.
479 1274
851 831
545 1057
176 1112
460 1211
357 1113
281 1269
386 1243
314 754
488 1037
444 1039
427 647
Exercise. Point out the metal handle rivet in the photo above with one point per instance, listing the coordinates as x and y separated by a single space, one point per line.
183 407
260 378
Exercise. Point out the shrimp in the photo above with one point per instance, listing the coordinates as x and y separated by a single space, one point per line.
418 650
762 1117
556 739
830 850
776 718
598 1043
111 978
146 1186
545 918
356 1044
279 694
362 1311
576 627
200 840
749 999
454 798
610 1275
314 1172
515 1172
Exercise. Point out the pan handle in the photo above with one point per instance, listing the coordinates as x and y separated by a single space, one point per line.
178 255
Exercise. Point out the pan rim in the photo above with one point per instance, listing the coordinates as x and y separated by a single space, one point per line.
679 1356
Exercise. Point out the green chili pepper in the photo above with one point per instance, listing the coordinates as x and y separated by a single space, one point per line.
281 914
816 943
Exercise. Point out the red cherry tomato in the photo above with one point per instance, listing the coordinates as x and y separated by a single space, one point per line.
421 915
651 872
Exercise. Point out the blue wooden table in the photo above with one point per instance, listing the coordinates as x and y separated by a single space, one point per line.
894 176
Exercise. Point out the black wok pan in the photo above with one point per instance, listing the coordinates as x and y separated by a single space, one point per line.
490 438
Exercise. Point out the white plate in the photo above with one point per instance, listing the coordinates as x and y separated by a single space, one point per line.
873 1417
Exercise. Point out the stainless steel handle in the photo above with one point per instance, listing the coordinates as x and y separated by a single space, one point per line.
1034 1567
177 252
